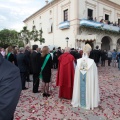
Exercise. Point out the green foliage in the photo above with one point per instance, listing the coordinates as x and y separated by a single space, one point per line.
20 44
26 35
8 37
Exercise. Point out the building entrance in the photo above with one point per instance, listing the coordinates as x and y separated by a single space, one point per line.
118 45
90 43
106 42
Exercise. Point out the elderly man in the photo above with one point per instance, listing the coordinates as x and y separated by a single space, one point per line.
86 88
22 64
10 88
65 75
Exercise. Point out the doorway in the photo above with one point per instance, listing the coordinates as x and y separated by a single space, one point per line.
90 43
106 42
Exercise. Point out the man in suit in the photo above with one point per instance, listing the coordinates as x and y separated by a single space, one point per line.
95 55
22 64
35 63
10 88
27 53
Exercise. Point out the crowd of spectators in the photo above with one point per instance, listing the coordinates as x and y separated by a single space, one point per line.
105 21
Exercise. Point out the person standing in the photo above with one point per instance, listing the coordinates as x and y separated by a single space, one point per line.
35 65
103 57
95 55
109 57
114 55
22 65
65 75
10 89
55 59
27 53
10 56
46 66
86 88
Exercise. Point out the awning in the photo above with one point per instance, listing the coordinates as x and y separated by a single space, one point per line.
85 38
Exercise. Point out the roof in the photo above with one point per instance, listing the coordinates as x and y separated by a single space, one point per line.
49 4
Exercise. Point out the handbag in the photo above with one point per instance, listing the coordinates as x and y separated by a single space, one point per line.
44 63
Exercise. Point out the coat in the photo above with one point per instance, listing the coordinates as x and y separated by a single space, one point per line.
10 88
22 62
35 62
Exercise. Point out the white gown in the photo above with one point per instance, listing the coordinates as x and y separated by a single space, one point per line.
91 96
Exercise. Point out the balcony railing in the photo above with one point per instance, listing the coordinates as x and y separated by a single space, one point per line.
102 26
64 25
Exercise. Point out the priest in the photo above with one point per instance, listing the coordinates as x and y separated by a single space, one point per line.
86 88
65 75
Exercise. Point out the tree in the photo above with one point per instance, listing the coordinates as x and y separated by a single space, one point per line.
8 37
26 35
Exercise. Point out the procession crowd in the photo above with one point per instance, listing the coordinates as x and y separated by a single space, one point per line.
39 62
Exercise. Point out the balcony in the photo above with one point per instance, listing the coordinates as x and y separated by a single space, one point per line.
102 26
64 25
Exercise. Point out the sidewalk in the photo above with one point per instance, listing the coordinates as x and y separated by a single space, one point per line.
34 107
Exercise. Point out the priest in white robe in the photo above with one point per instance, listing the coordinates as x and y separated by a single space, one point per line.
86 87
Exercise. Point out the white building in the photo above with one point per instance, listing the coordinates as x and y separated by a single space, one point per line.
79 20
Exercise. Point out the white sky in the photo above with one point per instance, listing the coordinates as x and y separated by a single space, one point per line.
13 12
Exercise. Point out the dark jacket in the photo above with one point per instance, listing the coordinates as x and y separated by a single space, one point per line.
10 88
22 62
35 62
95 55
27 53
46 73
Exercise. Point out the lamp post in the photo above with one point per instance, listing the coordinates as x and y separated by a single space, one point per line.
67 38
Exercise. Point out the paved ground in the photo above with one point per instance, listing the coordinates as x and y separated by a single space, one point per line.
35 107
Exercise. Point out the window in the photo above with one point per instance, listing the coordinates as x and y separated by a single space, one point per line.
106 17
90 14
66 15
118 21
50 28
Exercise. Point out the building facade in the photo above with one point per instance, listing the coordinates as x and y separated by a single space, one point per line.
80 21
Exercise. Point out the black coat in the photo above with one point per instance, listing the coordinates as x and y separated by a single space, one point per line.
95 54
10 88
22 62
46 73
35 62
27 53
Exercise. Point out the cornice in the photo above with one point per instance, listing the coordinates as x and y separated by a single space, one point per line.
110 3
53 2
90 4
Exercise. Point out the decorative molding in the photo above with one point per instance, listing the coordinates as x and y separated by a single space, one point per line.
118 14
90 4
107 11
65 5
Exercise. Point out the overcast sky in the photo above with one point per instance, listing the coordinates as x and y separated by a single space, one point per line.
13 12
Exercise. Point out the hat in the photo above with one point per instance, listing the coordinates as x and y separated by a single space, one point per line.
87 48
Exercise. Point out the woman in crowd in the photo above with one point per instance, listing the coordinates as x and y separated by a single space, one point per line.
10 56
46 65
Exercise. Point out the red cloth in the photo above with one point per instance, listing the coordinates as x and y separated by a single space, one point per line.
65 75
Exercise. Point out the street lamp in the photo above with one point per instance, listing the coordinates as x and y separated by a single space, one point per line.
67 38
